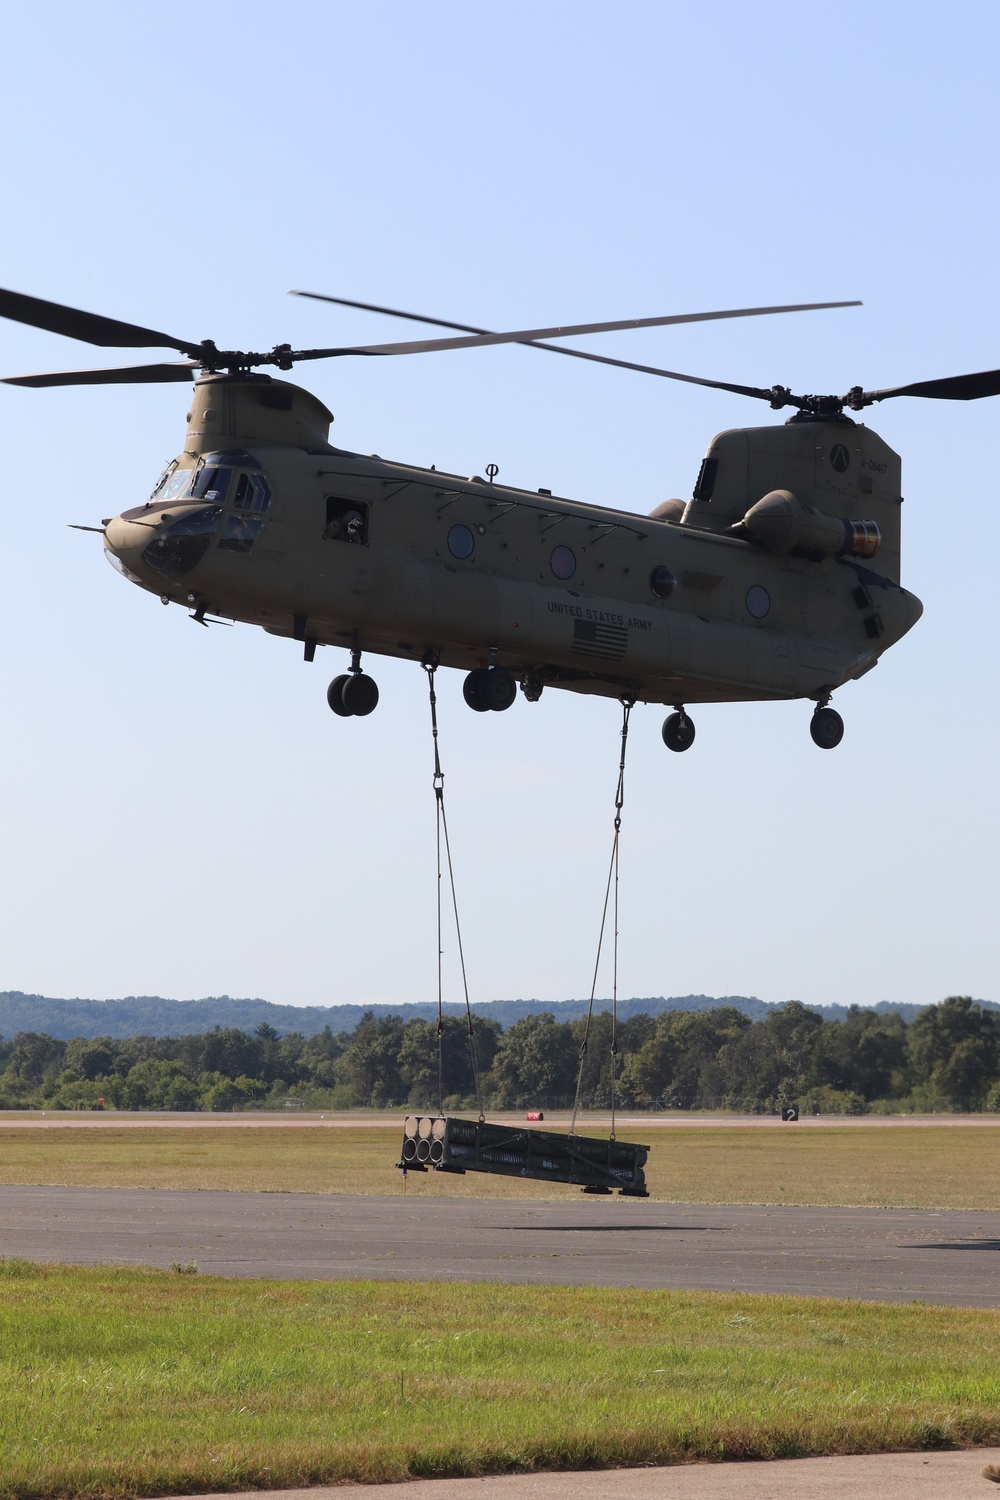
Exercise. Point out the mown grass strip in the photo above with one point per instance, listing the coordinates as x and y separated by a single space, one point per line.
954 1166
132 1382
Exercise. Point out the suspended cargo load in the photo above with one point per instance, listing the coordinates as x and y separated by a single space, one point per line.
453 1145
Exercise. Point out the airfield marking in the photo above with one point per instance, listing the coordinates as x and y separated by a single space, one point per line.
883 1255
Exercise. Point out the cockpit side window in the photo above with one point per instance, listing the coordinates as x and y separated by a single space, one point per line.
252 493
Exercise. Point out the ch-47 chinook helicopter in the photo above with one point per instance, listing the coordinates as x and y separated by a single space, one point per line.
778 579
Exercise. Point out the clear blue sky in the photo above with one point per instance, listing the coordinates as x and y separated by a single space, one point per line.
181 814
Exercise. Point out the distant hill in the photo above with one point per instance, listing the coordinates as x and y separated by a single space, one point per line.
149 1015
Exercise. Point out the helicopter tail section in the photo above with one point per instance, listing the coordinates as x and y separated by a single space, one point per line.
843 480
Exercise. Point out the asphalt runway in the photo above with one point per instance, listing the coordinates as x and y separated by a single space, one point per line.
890 1476
885 1255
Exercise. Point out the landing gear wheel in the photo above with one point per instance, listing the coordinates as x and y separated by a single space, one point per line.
678 731
489 689
335 696
360 695
826 728
497 689
470 690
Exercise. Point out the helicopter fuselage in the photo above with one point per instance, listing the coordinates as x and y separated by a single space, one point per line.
261 520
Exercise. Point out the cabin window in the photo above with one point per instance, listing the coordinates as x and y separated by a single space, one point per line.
346 520
662 582
563 562
758 601
461 542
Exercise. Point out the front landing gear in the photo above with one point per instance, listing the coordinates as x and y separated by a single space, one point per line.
353 694
678 731
826 727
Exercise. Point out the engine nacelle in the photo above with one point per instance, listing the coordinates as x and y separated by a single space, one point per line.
785 525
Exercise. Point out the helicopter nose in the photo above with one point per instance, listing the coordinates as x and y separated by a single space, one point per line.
122 536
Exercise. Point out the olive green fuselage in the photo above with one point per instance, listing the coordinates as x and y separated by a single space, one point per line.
262 521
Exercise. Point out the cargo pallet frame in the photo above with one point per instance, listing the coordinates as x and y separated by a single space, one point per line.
446 1143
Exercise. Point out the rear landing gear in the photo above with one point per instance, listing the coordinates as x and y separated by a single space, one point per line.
678 731
826 727
489 689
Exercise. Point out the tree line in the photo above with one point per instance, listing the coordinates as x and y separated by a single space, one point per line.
948 1058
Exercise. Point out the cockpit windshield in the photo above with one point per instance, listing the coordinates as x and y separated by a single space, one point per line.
211 478
211 483
184 541
173 483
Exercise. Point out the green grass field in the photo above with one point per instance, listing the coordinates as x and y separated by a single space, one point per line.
955 1166
134 1382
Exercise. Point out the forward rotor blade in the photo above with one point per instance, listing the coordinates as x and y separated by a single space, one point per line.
600 359
952 388
532 335
90 328
181 369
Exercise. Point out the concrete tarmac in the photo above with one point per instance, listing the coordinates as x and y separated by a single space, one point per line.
889 1476
885 1255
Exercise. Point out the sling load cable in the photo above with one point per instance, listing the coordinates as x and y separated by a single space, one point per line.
430 664
627 706
455 1145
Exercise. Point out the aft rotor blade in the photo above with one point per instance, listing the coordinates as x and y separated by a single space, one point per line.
952 388
532 335
181 369
90 328
626 364
394 312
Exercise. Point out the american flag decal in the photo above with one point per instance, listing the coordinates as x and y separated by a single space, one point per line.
591 638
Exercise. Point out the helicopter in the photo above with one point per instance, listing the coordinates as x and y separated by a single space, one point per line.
778 579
